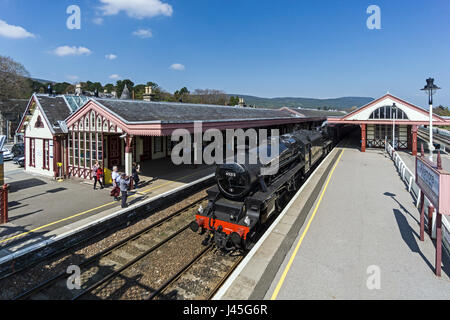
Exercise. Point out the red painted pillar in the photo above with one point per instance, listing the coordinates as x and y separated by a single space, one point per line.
4 205
438 244
363 138
430 218
414 140
422 216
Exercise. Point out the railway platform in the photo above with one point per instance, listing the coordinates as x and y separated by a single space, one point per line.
41 209
352 232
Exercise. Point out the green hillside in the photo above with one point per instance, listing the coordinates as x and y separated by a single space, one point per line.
344 103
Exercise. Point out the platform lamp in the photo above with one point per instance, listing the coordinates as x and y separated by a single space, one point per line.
394 113
430 89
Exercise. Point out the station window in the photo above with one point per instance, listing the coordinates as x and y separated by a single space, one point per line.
387 112
82 149
46 155
158 144
32 162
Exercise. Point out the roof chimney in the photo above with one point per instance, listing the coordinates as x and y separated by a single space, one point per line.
78 90
241 102
148 95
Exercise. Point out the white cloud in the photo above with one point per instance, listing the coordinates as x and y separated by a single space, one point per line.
136 8
115 77
178 67
14 32
111 56
143 33
71 51
98 21
72 78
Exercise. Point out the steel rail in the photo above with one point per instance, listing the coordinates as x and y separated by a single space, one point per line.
222 281
100 255
186 267
65 249
129 264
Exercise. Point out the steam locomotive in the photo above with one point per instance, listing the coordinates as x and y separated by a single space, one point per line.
243 199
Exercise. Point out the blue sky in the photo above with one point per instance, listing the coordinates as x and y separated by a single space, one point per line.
317 49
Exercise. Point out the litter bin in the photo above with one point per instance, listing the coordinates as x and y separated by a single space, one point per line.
108 177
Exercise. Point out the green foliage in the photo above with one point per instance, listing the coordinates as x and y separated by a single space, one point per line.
234 101
442 111
109 87
61 88
120 85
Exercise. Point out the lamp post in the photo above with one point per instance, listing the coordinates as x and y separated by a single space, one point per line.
394 109
430 89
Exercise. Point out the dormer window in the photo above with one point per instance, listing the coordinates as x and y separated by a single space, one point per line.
39 123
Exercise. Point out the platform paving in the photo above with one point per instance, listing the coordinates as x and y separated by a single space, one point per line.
40 206
410 160
366 221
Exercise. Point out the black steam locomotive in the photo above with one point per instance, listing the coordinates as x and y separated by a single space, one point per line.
247 195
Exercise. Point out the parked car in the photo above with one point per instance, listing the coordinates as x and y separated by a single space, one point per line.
21 162
18 149
7 155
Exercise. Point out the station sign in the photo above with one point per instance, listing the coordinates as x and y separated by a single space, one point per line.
434 183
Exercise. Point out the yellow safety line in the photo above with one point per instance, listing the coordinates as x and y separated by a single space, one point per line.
294 254
90 210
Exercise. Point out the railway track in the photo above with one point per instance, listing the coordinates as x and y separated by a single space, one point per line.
200 278
112 262
438 138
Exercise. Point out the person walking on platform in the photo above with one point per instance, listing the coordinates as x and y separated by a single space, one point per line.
95 175
135 174
124 184
99 176
115 180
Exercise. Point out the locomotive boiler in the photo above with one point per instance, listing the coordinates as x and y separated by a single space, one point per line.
247 194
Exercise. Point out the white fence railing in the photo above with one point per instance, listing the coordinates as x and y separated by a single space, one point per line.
409 179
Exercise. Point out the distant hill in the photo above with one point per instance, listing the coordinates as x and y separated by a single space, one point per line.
42 81
344 103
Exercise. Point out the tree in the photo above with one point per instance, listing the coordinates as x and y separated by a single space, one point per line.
182 94
442 111
139 91
120 85
234 101
14 82
109 87
61 88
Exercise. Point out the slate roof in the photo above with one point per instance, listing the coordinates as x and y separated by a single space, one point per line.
320 113
13 106
132 111
55 109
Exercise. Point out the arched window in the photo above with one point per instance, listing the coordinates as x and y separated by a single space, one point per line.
387 112
39 123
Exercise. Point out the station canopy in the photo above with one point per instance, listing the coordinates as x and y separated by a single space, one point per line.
146 118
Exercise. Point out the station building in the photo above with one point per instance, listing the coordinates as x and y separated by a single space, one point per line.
45 133
378 119
65 135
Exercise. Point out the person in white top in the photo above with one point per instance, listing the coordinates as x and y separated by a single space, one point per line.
115 179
